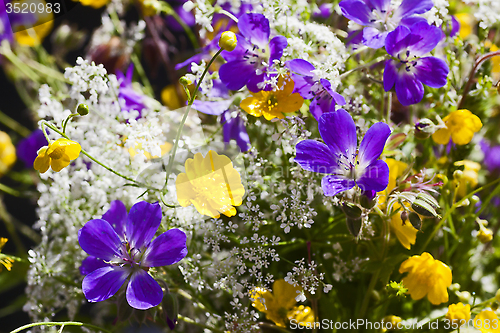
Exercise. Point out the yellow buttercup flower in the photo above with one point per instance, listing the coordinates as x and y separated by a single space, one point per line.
487 322
458 313
466 21
272 104
5 260
405 232
165 148
469 178
460 126
279 306
34 35
171 98
391 322
211 184
426 276
93 3
7 153
58 154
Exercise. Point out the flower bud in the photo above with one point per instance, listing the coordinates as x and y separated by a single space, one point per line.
404 216
150 7
424 129
185 81
352 210
170 309
354 226
391 322
494 306
464 296
228 41
82 109
415 221
485 235
457 175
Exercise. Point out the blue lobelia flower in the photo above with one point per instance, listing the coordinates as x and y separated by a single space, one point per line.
121 248
128 97
379 17
309 86
249 62
28 147
409 70
340 158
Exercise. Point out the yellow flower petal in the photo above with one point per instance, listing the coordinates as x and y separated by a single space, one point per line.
7 153
487 322
405 233
42 161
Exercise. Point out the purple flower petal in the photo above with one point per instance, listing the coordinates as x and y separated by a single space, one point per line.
338 98
455 26
116 216
99 239
375 178
373 144
276 47
381 5
142 222
394 42
408 89
103 283
411 7
253 83
432 72
215 108
320 105
143 292
28 147
234 128
166 249
255 27
90 264
300 66
339 132
333 185
356 10
235 74
424 38
408 21
316 157
197 58
374 38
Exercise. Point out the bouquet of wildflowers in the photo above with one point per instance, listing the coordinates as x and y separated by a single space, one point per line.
255 166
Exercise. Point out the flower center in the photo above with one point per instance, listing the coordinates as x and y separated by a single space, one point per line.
257 57
348 163
383 19
57 153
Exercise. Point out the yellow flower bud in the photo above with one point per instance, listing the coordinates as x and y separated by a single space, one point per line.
228 41
485 235
458 313
391 322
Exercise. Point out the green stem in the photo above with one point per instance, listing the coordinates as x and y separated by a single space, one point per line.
389 107
53 323
377 60
65 122
14 125
52 127
452 209
144 78
9 190
179 131
366 299
170 11
191 321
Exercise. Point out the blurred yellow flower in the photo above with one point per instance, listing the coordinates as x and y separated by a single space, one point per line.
487 322
279 306
391 322
93 3
494 60
5 260
35 33
460 126
458 314
272 104
396 169
171 99
405 232
58 154
211 184
7 153
466 21
165 148
469 176
426 276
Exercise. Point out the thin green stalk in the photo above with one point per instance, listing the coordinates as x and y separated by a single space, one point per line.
191 321
167 9
377 60
9 190
188 108
14 125
144 78
452 209
52 127
53 323
389 107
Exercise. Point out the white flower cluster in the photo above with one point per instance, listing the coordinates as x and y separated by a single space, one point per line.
488 12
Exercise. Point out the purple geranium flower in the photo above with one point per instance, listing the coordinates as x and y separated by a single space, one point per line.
28 147
379 18
410 71
309 86
340 158
249 62
491 157
121 248
128 97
